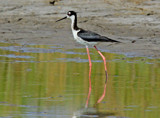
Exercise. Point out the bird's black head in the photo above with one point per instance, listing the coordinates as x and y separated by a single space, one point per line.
70 14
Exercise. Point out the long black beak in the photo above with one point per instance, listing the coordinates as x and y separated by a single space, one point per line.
62 19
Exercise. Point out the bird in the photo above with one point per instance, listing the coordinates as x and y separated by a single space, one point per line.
88 38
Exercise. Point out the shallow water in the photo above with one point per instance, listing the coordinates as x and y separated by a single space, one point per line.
48 81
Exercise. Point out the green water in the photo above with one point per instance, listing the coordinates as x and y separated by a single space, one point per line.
48 81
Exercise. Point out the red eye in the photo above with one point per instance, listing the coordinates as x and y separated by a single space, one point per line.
69 13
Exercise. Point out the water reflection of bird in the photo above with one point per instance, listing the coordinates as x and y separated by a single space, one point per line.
93 113
88 38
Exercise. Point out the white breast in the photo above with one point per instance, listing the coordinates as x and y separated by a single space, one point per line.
79 40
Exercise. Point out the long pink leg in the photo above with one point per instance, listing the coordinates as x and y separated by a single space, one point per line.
90 67
105 67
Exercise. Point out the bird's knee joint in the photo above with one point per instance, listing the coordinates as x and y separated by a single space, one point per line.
104 59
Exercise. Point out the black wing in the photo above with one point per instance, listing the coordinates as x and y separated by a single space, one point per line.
93 37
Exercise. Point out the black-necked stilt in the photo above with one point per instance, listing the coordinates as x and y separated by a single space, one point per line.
88 38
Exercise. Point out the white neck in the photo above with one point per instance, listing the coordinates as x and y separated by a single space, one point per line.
72 22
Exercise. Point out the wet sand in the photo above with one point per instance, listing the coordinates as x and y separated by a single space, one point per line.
136 25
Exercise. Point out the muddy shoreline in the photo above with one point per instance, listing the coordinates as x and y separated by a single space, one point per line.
137 26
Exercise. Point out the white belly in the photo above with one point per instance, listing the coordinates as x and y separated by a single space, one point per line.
79 40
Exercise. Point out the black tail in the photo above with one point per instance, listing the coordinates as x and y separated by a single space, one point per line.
110 40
